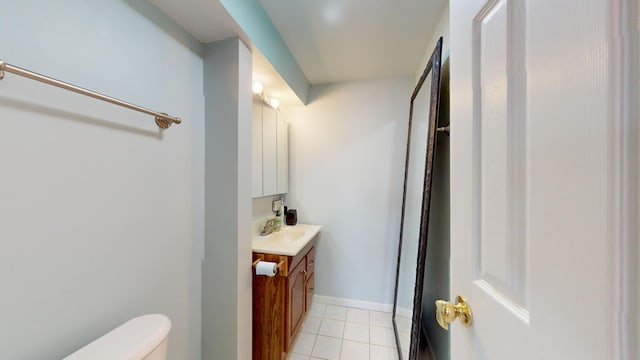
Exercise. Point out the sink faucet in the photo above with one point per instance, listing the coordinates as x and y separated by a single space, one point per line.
269 227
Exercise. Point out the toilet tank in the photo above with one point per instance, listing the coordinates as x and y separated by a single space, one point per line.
142 338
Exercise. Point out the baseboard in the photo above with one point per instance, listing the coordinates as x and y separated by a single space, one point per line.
367 305
407 313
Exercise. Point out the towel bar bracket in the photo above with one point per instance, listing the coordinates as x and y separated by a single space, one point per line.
164 123
3 66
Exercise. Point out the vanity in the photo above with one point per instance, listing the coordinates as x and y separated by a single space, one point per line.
281 302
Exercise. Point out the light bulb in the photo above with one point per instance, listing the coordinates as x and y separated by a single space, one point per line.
257 87
275 103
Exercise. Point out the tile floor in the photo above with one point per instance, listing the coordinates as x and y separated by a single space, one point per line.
339 333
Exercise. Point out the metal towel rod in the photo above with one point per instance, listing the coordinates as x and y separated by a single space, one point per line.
162 120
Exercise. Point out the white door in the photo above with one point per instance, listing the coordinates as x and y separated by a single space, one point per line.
532 180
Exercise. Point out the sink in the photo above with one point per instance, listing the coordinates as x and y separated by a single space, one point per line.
288 241
286 235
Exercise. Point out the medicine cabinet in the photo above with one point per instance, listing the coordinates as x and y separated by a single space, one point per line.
270 149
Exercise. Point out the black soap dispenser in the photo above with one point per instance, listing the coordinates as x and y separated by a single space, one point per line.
291 217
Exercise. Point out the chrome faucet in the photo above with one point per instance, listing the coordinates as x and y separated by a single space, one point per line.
268 228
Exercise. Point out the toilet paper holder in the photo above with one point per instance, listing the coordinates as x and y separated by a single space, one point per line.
282 264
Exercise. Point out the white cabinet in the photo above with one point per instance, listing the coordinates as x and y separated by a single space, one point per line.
282 143
270 151
256 147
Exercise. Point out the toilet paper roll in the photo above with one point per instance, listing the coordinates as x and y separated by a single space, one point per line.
266 268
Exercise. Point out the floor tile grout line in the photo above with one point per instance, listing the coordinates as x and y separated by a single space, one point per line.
344 320
315 337
343 338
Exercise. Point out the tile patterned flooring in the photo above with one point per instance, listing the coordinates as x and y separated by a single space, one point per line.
339 333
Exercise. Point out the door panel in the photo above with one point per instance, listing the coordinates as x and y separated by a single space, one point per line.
531 190
499 153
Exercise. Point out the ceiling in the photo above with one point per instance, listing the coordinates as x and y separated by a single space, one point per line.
332 40
206 20
274 85
340 40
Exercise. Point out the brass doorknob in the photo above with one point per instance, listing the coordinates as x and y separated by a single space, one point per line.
447 312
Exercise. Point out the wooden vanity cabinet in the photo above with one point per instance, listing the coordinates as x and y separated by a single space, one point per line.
311 261
280 303
296 300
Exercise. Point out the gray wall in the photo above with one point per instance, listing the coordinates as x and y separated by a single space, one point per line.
226 278
102 214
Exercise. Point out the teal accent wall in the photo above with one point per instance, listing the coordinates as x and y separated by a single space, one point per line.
255 21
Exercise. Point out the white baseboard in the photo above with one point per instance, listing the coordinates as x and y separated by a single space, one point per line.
367 305
407 313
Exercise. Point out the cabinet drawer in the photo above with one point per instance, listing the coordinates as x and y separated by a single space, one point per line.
311 261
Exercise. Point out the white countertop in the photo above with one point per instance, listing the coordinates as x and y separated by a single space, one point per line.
288 241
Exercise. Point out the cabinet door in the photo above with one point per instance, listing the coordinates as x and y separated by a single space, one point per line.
269 151
309 290
256 148
282 139
269 311
309 284
296 305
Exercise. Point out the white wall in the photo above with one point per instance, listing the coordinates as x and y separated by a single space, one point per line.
102 214
441 29
261 207
347 151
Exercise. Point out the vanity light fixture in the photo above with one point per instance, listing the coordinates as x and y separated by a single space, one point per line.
257 87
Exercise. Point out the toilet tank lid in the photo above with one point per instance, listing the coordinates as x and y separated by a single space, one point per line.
134 339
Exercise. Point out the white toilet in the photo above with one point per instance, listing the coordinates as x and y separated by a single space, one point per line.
142 338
